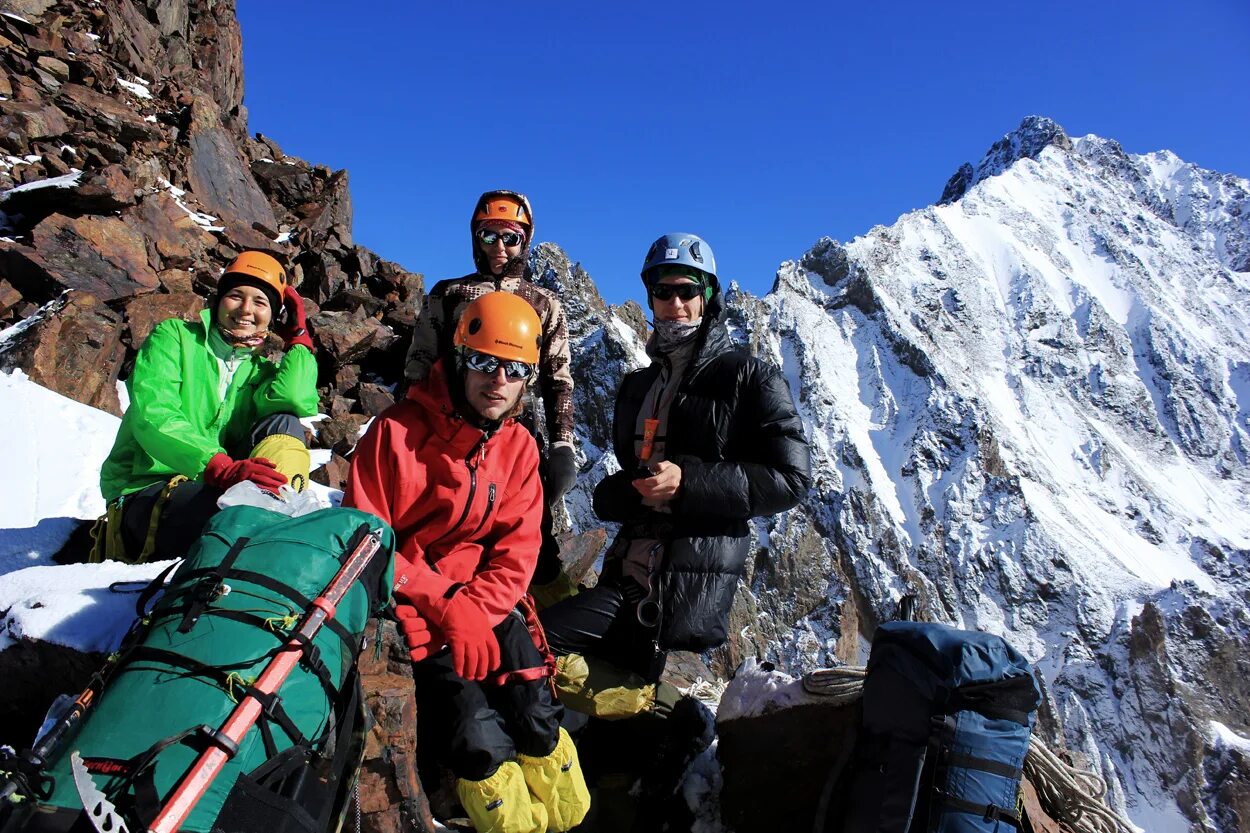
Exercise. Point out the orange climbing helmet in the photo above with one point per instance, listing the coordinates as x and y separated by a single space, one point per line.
503 205
260 270
502 325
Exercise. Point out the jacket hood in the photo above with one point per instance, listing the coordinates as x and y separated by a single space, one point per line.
516 267
442 393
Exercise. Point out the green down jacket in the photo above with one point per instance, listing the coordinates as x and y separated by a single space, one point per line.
176 423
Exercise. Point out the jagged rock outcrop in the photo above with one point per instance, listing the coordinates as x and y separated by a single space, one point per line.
129 172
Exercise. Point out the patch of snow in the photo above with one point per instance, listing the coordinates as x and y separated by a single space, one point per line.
73 605
1228 737
150 119
756 690
65 181
138 87
284 237
205 221
16 17
93 36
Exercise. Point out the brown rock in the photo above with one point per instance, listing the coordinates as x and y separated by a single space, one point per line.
334 473
323 275
9 297
35 120
55 67
218 47
134 37
374 399
346 338
220 180
334 213
109 115
105 190
99 255
346 378
75 349
6 88
340 433
578 554
54 165
176 238
786 755
391 797
29 9
146 311
176 280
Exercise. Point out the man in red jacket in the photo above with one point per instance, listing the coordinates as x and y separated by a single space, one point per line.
457 478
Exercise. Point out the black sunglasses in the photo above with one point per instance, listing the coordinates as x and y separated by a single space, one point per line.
488 364
509 238
665 291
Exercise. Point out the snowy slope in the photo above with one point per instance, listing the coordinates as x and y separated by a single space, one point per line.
1029 406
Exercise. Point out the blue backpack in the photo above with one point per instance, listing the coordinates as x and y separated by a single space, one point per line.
947 716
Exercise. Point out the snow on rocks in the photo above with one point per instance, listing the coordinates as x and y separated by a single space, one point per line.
54 466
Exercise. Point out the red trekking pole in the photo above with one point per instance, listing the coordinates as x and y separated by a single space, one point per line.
243 718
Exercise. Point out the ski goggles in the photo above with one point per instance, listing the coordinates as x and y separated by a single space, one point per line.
665 291
485 363
488 236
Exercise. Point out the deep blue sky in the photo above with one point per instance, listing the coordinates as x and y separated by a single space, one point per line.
760 126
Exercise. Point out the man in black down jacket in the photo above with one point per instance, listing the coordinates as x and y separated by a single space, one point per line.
707 438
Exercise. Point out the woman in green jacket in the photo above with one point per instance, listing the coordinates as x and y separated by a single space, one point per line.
206 412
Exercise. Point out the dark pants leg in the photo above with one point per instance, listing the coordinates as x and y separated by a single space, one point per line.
472 727
181 521
602 622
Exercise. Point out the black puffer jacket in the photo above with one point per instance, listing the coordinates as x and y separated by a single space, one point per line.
734 432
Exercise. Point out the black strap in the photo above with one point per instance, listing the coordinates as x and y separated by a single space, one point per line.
271 703
1013 698
989 812
154 586
298 599
204 591
984 765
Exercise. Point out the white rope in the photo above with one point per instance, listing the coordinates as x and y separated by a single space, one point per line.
708 692
842 685
1069 795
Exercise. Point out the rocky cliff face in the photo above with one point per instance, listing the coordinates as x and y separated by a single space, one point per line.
128 181
1029 406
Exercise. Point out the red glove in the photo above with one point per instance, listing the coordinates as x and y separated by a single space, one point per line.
418 633
294 328
224 472
474 649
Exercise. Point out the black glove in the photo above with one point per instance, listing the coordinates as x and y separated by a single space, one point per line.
561 473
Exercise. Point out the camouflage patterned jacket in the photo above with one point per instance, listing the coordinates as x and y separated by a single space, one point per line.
441 310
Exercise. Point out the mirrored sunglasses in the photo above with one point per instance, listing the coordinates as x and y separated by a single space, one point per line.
488 364
685 291
489 236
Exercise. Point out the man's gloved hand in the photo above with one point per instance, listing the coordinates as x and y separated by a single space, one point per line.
294 329
474 649
224 472
561 473
418 633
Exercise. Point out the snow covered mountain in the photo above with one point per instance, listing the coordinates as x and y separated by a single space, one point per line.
1029 406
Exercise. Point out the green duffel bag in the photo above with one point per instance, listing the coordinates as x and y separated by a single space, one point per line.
228 609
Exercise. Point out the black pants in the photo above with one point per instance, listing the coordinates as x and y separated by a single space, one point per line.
603 622
191 504
473 727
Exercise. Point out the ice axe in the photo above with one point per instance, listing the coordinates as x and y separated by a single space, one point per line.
225 740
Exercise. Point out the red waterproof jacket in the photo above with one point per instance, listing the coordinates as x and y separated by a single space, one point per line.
466 505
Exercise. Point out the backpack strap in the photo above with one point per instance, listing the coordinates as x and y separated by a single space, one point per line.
1013 698
204 591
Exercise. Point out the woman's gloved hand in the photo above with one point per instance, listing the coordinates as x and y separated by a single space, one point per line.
294 328
223 472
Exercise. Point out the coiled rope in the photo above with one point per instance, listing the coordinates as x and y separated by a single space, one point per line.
1071 796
